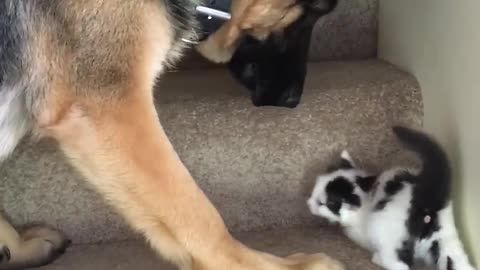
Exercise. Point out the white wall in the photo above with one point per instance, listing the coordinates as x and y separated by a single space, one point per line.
439 42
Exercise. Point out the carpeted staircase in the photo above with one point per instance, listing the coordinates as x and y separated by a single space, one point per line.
256 164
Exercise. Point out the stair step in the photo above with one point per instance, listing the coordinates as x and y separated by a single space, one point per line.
256 164
348 33
137 255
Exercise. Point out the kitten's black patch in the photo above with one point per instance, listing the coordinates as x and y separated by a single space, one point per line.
430 228
417 213
397 184
340 186
366 183
381 204
334 204
416 222
339 191
405 177
354 200
405 253
450 265
393 187
431 187
435 251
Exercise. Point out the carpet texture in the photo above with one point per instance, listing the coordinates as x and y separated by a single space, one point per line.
134 255
349 32
256 164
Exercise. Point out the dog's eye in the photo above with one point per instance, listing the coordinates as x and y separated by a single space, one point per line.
320 203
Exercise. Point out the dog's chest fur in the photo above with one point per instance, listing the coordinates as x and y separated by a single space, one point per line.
183 18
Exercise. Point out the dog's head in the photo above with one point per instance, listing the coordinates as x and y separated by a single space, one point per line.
274 69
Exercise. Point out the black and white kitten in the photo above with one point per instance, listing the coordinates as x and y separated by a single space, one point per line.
401 215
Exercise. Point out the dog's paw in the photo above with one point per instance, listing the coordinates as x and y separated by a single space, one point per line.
214 52
4 254
54 239
46 244
318 261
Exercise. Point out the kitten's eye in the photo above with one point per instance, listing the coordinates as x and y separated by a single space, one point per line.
320 203
334 204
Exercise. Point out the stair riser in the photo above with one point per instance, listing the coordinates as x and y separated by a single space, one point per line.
349 32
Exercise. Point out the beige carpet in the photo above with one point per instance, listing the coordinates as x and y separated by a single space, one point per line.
256 164
137 256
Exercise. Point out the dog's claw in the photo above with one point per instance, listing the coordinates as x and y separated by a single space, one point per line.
5 254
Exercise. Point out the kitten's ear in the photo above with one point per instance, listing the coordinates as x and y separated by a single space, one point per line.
366 183
346 161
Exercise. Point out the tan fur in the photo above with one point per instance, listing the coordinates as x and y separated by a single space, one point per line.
258 18
97 103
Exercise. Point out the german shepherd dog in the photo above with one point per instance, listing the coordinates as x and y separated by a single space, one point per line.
82 73
274 69
258 18
265 44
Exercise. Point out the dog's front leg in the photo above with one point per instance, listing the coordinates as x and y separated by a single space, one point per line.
123 151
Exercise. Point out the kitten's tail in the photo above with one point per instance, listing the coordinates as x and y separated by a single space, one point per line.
434 178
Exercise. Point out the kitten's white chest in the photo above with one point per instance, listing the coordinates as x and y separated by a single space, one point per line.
359 236
357 230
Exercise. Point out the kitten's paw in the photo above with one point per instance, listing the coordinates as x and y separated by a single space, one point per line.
376 259
4 254
398 266
389 264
